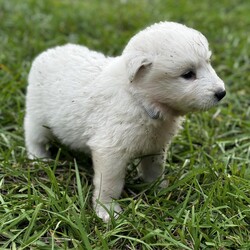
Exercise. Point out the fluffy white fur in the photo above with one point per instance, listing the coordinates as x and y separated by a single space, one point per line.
120 108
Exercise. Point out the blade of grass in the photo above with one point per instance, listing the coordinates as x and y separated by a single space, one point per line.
79 187
82 231
32 223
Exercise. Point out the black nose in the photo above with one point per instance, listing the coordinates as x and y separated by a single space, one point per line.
220 94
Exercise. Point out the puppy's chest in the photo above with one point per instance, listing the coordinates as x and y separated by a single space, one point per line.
150 139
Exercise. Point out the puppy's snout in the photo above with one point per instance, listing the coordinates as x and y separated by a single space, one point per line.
220 94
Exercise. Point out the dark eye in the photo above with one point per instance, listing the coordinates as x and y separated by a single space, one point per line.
189 75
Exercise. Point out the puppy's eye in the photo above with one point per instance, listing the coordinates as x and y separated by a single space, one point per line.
189 75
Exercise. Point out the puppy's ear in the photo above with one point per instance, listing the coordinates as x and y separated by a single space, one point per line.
137 67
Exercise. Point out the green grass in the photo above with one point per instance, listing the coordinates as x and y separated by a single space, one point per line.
207 202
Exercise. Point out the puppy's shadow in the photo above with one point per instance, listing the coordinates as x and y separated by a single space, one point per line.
65 156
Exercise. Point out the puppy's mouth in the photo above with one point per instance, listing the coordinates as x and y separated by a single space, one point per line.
164 109
191 108
206 106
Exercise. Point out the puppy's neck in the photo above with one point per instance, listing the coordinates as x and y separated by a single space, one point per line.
156 110
167 111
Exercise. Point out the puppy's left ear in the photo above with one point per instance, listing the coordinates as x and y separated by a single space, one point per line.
137 67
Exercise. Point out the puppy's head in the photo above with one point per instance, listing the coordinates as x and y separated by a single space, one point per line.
169 64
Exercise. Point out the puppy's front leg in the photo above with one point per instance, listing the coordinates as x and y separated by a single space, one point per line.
152 168
108 182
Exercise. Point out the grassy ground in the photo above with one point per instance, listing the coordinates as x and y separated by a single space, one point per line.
207 203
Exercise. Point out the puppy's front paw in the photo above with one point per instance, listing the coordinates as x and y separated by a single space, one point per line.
105 211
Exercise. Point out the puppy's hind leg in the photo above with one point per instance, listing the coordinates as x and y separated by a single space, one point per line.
36 138
108 181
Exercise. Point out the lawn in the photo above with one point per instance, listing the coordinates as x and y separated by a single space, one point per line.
207 202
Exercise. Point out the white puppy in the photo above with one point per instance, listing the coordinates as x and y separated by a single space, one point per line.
121 108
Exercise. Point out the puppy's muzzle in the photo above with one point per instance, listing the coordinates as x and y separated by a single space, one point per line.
220 94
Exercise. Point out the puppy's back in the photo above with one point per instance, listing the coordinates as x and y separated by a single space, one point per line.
69 61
